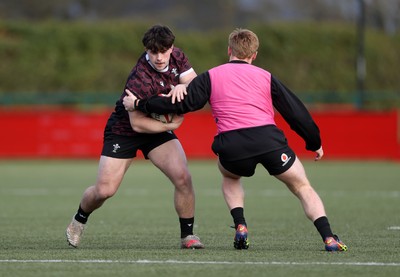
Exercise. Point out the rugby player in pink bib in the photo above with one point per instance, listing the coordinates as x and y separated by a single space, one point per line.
242 98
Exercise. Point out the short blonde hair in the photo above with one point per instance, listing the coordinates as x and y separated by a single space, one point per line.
243 43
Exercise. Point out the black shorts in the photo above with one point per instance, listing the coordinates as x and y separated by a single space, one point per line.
241 150
276 162
125 147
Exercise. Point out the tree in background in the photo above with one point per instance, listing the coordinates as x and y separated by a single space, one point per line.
206 14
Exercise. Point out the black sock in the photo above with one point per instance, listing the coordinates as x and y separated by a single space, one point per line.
323 227
186 226
238 216
82 216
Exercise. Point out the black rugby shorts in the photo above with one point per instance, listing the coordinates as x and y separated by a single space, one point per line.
275 162
126 147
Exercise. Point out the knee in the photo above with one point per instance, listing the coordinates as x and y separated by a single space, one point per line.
299 187
183 180
303 189
104 192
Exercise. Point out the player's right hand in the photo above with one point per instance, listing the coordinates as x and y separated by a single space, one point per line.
129 101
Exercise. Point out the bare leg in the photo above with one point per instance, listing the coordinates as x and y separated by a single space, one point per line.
296 180
232 188
109 177
171 160
233 192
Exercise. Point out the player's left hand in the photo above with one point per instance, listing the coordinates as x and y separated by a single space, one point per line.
177 93
319 154
176 122
129 101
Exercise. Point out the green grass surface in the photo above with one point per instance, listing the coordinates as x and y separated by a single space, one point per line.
136 233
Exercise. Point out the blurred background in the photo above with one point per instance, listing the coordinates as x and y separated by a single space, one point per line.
64 63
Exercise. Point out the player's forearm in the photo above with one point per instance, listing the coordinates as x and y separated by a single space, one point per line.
149 125
152 129
198 94
295 114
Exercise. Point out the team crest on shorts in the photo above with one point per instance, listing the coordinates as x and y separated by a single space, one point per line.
116 147
285 159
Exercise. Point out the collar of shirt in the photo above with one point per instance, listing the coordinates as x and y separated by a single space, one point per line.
238 61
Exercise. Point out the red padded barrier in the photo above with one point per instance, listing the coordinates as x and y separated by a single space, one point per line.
353 135
68 133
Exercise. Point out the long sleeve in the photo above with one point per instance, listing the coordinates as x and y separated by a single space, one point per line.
198 93
295 114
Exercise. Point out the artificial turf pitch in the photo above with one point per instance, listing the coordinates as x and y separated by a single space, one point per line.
136 232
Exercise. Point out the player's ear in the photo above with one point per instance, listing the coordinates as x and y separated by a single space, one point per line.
254 55
229 51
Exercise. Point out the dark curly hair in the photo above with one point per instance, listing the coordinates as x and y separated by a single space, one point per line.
158 39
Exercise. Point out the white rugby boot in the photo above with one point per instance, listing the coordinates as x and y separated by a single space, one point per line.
74 232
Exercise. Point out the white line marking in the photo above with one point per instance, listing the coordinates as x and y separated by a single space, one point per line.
394 228
201 262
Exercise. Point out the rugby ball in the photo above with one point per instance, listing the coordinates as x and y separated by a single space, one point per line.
164 118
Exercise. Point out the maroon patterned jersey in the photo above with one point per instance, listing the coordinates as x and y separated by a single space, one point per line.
144 81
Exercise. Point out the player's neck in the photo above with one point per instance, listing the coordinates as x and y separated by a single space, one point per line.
233 58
